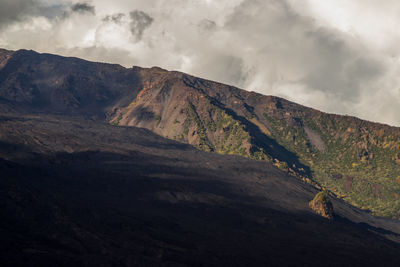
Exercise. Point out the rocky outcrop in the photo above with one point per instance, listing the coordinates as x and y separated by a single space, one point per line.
322 205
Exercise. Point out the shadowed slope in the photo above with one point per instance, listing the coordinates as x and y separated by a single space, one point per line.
357 160
78 192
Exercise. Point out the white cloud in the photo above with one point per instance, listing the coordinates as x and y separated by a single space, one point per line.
338 56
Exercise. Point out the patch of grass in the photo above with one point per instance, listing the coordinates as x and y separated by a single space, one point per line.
203 142
116 121
158 119
322 197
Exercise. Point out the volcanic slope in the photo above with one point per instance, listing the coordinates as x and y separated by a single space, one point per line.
78 192
357 160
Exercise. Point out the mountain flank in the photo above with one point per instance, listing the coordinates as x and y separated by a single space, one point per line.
88 176
77 192
356 160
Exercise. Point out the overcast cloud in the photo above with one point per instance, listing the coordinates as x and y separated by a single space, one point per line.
335 55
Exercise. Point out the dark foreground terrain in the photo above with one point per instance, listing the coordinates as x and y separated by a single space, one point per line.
81 185
76 192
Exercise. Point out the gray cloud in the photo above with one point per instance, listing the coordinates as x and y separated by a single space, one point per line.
207 25
140 21
116 18
83 8
301 52
279 47
16 10
221 67
93 53
340 65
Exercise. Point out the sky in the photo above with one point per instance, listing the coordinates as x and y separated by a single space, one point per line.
337 56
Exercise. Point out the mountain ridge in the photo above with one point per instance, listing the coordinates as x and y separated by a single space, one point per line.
11 52
355 159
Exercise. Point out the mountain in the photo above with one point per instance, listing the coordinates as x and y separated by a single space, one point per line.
357 160
87 178
78 192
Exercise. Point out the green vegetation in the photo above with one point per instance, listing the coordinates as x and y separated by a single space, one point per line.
358 164
186 131
117 120
158 119
322 197
356 160
220 132
203 142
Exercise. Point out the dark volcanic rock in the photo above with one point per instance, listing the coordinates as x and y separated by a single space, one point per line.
83 193
76 190
213 117
48 83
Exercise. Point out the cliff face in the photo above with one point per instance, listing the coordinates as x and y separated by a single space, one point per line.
357 160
